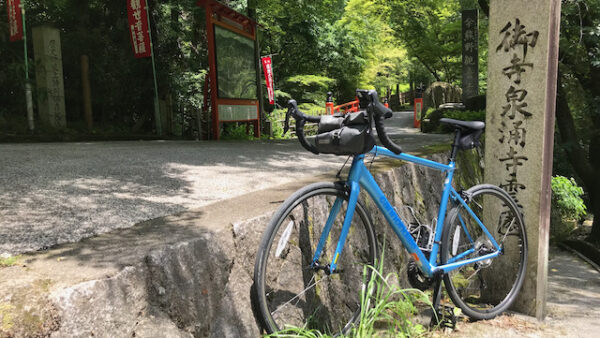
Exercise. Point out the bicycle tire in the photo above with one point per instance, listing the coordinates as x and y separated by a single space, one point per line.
498 279
282 270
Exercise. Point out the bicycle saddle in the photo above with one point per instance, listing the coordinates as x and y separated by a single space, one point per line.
472 125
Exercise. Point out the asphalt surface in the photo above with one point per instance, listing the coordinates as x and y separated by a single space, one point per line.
53 193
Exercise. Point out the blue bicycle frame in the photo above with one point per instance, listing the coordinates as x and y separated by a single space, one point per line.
360 177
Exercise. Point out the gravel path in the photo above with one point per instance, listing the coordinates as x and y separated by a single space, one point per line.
53 193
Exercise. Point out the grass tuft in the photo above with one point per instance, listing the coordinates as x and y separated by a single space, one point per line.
386 309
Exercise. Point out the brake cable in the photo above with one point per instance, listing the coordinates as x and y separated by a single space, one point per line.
373 159
338 175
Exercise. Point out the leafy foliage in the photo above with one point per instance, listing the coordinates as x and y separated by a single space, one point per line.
465 115
235 131
317 46
122 86
566 197
431 31
578 101
309 88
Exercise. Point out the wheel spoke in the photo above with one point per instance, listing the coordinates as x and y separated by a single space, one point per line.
499 278
300 294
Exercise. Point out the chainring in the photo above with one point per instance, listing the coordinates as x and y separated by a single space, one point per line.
416 278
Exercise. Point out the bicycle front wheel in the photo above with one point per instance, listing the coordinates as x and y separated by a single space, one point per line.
288 290
486 288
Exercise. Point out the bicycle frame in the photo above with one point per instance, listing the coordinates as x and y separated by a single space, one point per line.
360 177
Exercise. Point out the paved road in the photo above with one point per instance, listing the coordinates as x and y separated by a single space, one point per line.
53 193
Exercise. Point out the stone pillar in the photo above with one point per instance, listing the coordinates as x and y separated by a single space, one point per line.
49 76
470 53
521 96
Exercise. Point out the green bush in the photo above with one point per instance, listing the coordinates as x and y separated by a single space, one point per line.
567 207
465 115
566 198
234 131
276 117
308 88
428 113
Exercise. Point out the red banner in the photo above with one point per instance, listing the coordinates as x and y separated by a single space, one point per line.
15 23
138 27
268 70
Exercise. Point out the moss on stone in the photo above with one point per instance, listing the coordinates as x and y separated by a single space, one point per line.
29 313
9 261
436 148
6 316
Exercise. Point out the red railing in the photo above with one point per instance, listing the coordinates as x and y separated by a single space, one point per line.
349 107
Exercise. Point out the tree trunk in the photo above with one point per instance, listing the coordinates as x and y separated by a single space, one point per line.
86 92
593 187
595 209
252 4
586 168
485 6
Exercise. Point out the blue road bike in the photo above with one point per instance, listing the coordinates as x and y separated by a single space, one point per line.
309 266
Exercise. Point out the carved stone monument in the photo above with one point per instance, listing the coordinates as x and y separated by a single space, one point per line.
522 68
470 53
49 76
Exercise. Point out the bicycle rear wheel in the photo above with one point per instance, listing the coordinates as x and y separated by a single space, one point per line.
287 290
486 288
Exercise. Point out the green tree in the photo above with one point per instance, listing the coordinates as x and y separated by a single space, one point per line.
578 100
431 32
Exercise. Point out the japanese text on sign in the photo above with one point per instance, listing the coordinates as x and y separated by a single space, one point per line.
268 70
15 23
470 51
516 41
138 27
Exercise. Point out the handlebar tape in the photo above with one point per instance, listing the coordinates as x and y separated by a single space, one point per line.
381 112
300 115
301 119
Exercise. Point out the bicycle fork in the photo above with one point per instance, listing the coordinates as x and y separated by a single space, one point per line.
352 201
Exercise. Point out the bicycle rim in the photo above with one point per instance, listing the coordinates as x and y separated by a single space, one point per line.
486 288
288 290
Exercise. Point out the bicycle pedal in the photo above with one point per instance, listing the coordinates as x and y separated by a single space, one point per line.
445 317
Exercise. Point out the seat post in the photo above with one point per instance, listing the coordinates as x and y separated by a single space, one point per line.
455 145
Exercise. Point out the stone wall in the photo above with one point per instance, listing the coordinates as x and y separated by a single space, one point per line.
439 93
200 287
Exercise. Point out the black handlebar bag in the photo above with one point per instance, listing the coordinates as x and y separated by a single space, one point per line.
348 134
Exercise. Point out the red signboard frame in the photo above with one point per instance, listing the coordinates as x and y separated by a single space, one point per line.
223 16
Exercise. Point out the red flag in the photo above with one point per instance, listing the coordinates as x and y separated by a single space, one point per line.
268 70
15 23
138 27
